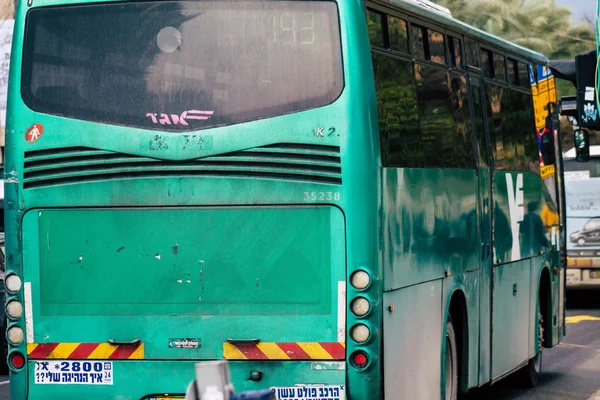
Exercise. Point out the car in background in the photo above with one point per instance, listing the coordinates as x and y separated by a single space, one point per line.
589 233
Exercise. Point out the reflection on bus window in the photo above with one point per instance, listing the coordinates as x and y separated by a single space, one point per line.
524 78
398 35
486 61
398 114
455 52
418 42
437 47
513 72
375 25
499 68
472 52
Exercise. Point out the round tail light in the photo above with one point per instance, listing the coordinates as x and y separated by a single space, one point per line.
14 309
360 359
15 335
360 280
360 333
360 306
17 360
13 283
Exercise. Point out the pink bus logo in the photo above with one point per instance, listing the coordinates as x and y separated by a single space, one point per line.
182 119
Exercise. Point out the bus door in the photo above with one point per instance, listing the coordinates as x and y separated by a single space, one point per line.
485 230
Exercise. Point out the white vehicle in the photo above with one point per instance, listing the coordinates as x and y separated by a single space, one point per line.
582 184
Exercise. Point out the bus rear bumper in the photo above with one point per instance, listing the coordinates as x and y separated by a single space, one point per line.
135 380
580 278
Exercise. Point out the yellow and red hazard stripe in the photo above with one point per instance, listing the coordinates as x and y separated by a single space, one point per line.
85 351
285 351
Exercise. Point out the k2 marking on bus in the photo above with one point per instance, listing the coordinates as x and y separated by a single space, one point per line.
515 206
320 132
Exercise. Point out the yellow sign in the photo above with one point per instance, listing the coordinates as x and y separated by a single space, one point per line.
547 171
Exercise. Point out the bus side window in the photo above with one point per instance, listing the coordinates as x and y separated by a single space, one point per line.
472 53
502 146
499 68
512 130
478 118
528 130
418 35
398 34
463 140
487 63
455 52
513 72
437 47
399 132
524 79
376 31
444 146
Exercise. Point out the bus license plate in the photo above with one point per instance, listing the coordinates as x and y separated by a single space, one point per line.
595 274
310 392
74 372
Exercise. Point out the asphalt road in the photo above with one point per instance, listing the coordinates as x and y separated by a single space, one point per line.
4 395
570 371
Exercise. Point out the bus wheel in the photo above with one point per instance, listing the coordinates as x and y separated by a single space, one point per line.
530 374
451 364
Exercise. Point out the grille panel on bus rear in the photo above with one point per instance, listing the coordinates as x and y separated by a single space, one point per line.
294 162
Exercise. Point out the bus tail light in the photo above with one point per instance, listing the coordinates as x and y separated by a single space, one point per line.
15 335
17 360
13 283
14 309
360 280
360 333
360 359
360 306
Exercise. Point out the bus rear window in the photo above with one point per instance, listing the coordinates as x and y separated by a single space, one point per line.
182 66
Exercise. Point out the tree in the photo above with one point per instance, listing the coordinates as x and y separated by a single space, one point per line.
536 24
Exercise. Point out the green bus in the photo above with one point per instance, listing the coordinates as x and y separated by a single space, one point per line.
343 199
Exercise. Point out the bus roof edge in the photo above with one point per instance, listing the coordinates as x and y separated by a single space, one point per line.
433 6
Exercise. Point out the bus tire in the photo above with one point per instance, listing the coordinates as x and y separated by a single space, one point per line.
451 362
530 374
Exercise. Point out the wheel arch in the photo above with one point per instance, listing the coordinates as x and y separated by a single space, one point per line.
457 310
545 303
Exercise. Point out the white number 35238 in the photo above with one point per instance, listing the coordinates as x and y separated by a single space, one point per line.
321 196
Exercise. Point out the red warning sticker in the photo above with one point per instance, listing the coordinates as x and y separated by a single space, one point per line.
34 132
